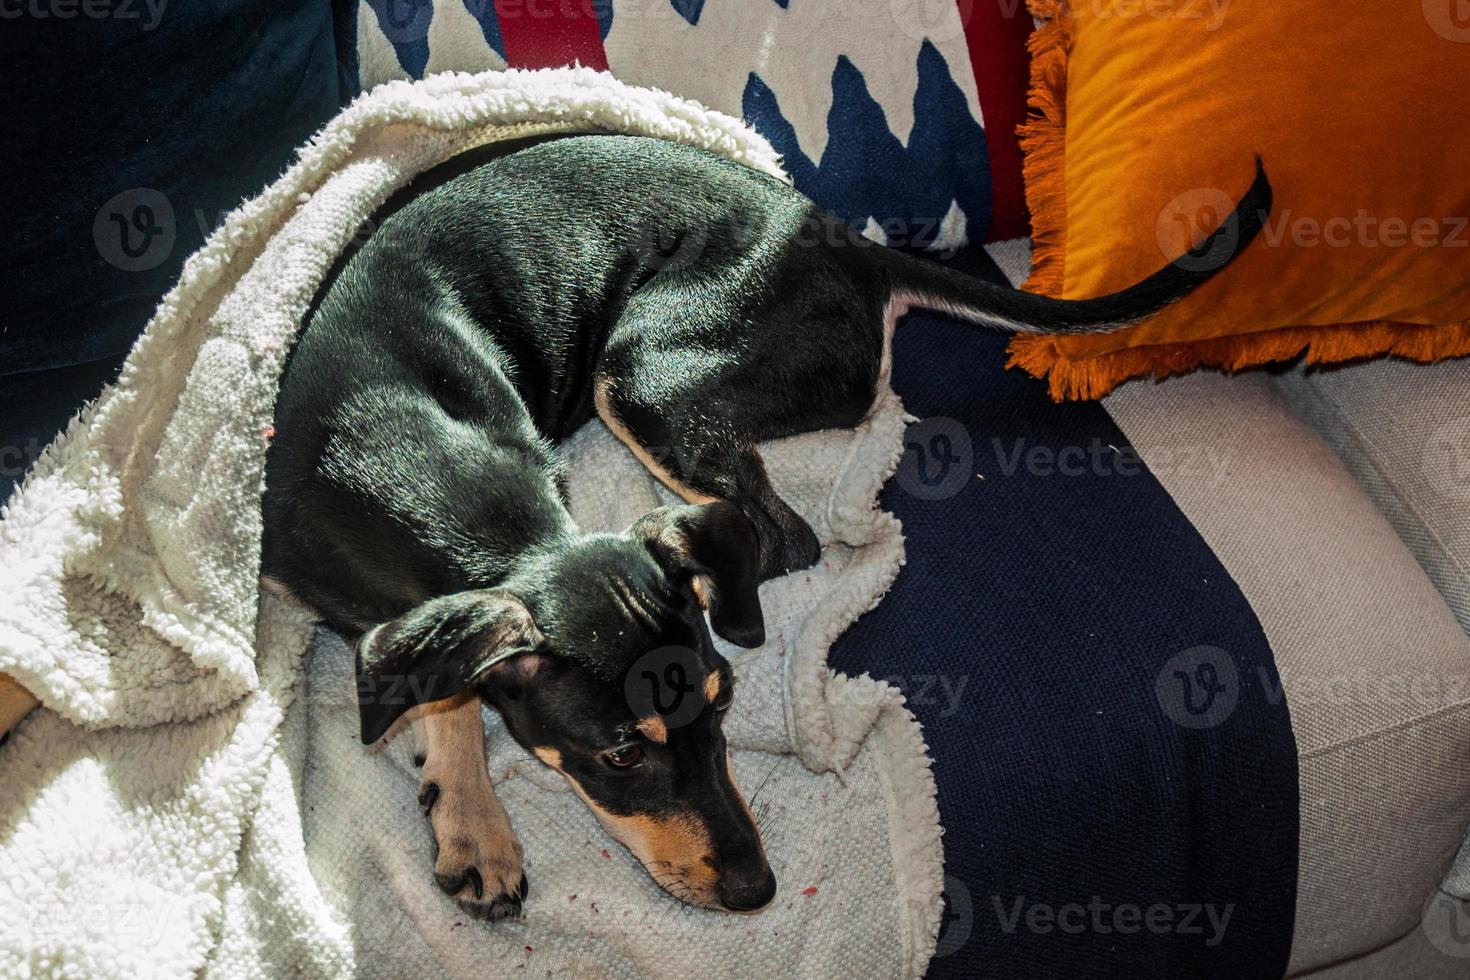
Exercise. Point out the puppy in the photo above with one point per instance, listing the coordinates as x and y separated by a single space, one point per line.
414 500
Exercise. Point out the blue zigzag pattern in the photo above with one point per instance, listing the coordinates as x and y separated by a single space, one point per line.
691 9
406 25
688 9
866 171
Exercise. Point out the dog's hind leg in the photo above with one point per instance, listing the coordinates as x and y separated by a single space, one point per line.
478 859
702 458
702 465
674 390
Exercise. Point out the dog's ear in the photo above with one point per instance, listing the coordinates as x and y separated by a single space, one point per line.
717 547
435 651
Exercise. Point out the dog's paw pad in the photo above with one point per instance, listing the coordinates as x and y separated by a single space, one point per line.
477 859
801 547
502 907
469 892
456 882
485 879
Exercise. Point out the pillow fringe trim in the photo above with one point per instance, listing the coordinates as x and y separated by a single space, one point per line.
1044 145
1093 377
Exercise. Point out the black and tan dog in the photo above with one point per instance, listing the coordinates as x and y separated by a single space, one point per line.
414 500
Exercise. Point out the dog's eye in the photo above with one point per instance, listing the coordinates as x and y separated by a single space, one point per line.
726 698
624 756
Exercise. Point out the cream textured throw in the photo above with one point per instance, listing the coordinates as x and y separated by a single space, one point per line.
192 796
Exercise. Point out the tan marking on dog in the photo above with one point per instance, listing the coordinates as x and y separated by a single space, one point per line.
654 729
676 851
712 686
550 756
616 426
471 827
15 703
893 311
701 592
280 590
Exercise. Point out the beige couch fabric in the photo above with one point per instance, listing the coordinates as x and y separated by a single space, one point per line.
1403 431
1374 667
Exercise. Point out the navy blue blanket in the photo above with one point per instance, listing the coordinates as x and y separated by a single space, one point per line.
1116 803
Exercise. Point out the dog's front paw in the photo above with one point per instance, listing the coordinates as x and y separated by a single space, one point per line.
801 549
788 544
477 858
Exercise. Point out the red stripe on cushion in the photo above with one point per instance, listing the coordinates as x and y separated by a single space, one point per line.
550 33
996 32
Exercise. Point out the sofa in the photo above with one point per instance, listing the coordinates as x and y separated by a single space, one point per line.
1192 662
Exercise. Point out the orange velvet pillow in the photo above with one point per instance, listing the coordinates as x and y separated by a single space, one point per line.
1147 115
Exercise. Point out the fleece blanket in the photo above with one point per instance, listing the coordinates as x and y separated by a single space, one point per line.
190 798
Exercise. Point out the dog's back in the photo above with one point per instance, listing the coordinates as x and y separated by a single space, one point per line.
411 454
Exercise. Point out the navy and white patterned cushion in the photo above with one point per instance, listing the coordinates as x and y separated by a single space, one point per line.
878 108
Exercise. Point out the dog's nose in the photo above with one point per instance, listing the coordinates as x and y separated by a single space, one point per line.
748 890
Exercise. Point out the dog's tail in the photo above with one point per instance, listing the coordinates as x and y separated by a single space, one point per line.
932 286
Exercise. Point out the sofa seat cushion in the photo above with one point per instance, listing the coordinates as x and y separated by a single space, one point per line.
1373 666
1403 431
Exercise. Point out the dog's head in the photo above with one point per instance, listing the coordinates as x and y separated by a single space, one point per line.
596 654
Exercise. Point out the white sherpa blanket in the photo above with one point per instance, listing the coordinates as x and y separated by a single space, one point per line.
191 799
